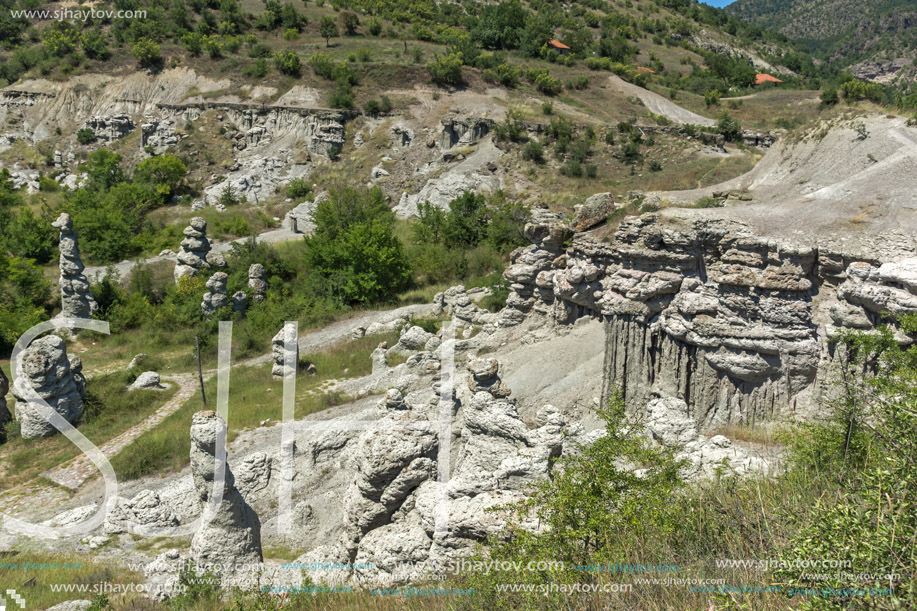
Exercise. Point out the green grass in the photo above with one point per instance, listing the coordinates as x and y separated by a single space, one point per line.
38 594
255 396
110 410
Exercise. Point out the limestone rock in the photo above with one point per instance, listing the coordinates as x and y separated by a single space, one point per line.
233 537
110 128
277 353
45 368
72 605
239 302
145 513
76 299
485 378
216 296
412 339
147 380
257 283
192 256
594 211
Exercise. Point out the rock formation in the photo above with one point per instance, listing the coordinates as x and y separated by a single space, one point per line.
4 388
257 282
147 380
232 539
192 257
216 296
277 353
45 368
76 300
144 513
109 129
710 313
240 302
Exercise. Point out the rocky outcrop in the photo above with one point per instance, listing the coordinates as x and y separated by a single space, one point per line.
144 514
45 368
669 421
594 211
257 282
733 324
5 415
217 295
753 138
463 131
158 134
231 540
192 257
76 299
109 129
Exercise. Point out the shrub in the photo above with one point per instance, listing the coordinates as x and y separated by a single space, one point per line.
598 63
655 166
572 168
353 249
259 50
547 107
512 128
533 151
322 64
287 62
349 21
85 136
94 45
712 97
729 127
446 70
385 104
829 97
328 30
164 174
372 108
341 98
298 188
257 70
374 27
291 34
547 84
147 52
609 137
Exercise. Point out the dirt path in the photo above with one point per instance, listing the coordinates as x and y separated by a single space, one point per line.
658 104
73 473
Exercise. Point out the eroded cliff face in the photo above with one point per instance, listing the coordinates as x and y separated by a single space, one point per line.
736 325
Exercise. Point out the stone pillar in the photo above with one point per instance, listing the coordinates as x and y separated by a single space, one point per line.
192 257
76 299
217 297
257 282
45 367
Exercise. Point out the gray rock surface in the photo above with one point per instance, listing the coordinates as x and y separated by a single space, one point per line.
192 256
147 380
232 539
110 128
277 354
216 296
45 368
144 514
257 282
72 605
76 299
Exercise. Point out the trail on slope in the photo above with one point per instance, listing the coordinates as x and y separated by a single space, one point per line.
658 104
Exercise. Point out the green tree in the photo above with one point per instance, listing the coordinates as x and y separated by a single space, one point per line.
328 29
31 237
353 250
500 26
287 62
446 70
466 223
104 170
24 296
349 22
147 53
728 127
164 174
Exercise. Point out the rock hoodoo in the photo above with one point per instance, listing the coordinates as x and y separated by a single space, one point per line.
233 537
257 283
76 300
733 324
277 353
192 257
217 295
45 367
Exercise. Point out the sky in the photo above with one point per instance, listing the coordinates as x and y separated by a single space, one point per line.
719 3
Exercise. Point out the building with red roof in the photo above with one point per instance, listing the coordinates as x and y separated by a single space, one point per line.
760 79
559 47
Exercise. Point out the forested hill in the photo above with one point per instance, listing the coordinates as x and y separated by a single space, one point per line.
844 31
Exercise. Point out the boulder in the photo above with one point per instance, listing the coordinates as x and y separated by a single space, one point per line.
145 513
216 296
147 380
594 211
45 368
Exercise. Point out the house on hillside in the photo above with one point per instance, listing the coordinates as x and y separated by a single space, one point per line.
760 79
559 47
645 69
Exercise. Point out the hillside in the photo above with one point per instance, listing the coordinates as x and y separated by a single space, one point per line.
843 31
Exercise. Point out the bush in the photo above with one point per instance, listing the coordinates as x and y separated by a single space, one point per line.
372 108
353 249
533 151
287 62
85 136
655 166
328 30
164 174
341 98
322 64
349 21
712 98
547 107
729 127
374 27
547 84
446 70
259 50
257 69
829 97
147 53
298 188
512 128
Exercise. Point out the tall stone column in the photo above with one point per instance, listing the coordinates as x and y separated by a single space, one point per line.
76 299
